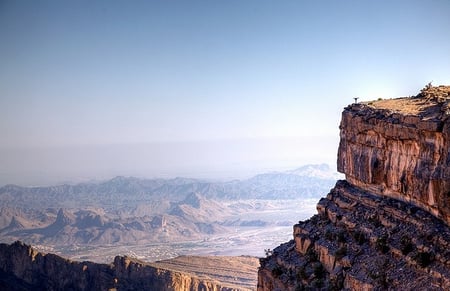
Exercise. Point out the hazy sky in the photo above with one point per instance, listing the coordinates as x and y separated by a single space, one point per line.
112 87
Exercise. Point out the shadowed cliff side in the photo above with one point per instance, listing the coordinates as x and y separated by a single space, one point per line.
386 225
23 268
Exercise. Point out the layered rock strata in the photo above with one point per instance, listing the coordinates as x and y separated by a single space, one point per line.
402 154
387 225
359 241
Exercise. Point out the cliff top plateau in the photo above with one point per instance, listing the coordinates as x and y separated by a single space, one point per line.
427 104
386 227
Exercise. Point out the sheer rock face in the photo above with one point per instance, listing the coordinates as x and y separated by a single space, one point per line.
387 225
393 154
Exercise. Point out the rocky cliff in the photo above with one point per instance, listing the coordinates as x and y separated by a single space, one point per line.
400 149
387 225
23 268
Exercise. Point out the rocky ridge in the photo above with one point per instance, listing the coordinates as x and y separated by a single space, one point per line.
23 268
387 225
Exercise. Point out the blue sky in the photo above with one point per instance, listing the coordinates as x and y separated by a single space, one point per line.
102 73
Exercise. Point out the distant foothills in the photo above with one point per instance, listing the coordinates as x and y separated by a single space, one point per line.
128 210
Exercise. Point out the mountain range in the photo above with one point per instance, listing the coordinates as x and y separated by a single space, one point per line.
134 211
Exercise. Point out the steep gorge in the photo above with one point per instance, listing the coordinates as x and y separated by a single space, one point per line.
387 225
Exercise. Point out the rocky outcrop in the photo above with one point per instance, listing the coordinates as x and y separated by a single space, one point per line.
402 151
23 268
15 224
359 241
386 225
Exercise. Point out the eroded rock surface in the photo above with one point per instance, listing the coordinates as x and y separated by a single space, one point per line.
359 241
23 268
387 225
400 148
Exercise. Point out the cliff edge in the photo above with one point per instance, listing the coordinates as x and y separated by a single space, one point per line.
400 148
387 225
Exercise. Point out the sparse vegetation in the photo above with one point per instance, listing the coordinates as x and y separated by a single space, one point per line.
378 273
381 244
380 278
341 252
317 283
340 236
277 271
406 245
359 237
373 219
423 259
328 234
301 273
311 255
318 270
337 283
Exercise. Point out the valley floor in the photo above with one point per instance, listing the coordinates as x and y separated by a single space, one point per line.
241 241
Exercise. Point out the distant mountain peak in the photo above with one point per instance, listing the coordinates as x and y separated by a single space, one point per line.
64 218
323 171
15 224
193 199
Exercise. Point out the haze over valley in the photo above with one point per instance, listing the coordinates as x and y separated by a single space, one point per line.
214 159
154 219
